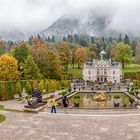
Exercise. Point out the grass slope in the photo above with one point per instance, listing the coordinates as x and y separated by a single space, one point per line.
2 118
132 68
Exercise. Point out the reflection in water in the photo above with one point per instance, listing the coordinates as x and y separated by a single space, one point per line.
102 100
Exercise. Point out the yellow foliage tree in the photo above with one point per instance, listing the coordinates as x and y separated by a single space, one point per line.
8 68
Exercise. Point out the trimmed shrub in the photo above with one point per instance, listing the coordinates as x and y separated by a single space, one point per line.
63 93
9 88
116 96
28 87
1 90
130 75
136 83
18 88
76 96
41 85
22 83
131 92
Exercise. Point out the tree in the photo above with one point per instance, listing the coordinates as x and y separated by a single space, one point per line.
31 70
53 38
126 39
123 53
64 55
83 41
21 52
133 47
2 47
39 51
120 38
8 68
53 69
81 56
30 40
138 54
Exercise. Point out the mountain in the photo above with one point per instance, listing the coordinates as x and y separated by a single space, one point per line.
11 33
92 25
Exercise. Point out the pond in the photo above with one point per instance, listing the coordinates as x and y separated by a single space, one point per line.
100 100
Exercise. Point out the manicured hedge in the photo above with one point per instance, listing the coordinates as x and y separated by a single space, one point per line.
132 75
9 88
136 83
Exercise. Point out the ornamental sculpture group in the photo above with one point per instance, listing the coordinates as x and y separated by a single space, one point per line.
36 98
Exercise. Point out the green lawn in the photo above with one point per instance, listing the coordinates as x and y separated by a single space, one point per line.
75 72
132 68
9 109
2 118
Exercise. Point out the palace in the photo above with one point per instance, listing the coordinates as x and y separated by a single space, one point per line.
102 70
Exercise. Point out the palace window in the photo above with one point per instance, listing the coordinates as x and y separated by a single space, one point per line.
113 72
89 72
98 71
104 71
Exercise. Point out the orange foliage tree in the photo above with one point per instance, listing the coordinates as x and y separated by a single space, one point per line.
81 55
65 55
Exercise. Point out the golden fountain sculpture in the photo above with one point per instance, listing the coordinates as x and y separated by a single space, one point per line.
99 97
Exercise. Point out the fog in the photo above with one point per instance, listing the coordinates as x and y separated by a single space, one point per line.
31 16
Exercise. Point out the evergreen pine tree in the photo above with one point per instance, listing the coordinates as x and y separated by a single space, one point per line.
120 38
53 38
126 39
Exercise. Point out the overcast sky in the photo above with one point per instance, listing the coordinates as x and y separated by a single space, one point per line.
36 15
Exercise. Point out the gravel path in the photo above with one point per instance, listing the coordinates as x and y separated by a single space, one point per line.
89 125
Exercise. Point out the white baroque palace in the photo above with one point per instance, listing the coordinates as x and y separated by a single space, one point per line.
102 70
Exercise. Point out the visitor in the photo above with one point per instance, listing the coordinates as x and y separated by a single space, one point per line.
53 104
65 104
79 89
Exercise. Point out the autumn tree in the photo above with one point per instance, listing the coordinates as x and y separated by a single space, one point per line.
65 55
8 68
123 53
53 68
39 51
81 56
31 70
21 52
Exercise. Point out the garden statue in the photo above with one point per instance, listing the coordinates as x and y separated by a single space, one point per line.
36 97
23 95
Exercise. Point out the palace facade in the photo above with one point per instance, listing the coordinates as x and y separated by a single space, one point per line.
102 70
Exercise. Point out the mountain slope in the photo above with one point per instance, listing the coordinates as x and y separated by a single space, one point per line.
90 25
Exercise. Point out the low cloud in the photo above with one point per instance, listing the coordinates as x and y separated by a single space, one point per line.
35 15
